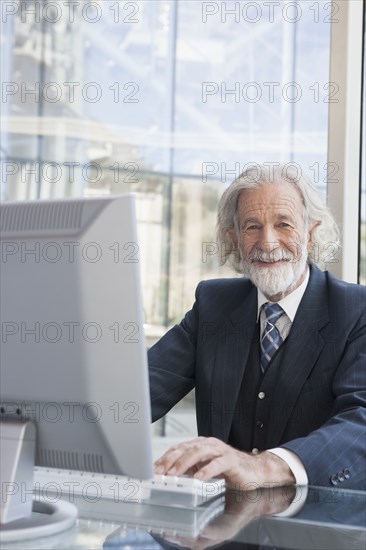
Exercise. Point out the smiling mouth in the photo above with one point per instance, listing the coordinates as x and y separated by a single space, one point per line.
265 263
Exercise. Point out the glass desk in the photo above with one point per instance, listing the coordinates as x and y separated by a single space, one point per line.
291 518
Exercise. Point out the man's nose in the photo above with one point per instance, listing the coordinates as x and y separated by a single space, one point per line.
268 239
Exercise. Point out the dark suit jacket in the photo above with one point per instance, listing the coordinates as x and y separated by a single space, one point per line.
318 402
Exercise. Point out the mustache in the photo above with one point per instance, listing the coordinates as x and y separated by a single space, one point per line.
275 255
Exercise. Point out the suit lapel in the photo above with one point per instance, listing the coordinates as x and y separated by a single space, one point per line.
303 347
234 342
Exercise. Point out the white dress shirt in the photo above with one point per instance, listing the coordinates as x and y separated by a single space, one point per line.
290 305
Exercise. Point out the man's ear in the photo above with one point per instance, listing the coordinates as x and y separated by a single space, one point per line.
234 237
311 229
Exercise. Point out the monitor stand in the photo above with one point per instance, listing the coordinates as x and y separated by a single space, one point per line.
22 514
46 519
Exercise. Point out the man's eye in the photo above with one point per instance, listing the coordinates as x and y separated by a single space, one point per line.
284 224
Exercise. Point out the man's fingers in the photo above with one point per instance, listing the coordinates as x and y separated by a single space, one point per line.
164 463
216 467
181 459
195 456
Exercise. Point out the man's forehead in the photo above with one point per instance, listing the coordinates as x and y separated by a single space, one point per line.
276 204
275 197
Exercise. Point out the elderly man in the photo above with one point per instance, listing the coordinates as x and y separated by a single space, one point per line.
278 357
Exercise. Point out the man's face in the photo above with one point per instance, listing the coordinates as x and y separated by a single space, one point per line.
273 238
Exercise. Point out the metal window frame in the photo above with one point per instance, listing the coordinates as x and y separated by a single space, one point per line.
344 132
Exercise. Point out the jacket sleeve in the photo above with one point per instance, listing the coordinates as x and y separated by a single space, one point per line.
335 453
172 364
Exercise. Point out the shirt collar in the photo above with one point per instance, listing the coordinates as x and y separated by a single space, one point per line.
289 303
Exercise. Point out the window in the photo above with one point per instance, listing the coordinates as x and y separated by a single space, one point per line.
167 99
362 243
170 100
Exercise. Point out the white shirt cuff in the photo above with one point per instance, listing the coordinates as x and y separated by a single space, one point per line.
301 479
294 463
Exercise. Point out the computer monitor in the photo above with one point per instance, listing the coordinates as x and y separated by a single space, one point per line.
73 355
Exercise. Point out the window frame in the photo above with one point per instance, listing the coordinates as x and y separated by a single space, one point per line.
344 133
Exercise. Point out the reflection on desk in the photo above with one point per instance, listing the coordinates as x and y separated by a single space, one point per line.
329 519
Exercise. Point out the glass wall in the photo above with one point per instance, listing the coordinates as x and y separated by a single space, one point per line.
168 99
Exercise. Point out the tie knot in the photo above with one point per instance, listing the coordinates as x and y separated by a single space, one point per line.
272 312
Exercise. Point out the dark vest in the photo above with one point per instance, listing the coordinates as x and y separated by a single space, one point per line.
255 401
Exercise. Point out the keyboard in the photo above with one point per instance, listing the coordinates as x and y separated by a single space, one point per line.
172 490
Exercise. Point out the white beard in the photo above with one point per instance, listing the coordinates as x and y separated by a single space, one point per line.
278 279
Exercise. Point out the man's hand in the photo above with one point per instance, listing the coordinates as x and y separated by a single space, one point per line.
208 457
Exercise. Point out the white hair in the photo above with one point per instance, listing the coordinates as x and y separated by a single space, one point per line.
324 236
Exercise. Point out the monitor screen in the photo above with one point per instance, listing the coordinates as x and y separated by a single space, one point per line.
73 355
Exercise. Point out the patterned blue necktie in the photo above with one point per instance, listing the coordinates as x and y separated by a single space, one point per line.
271 338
